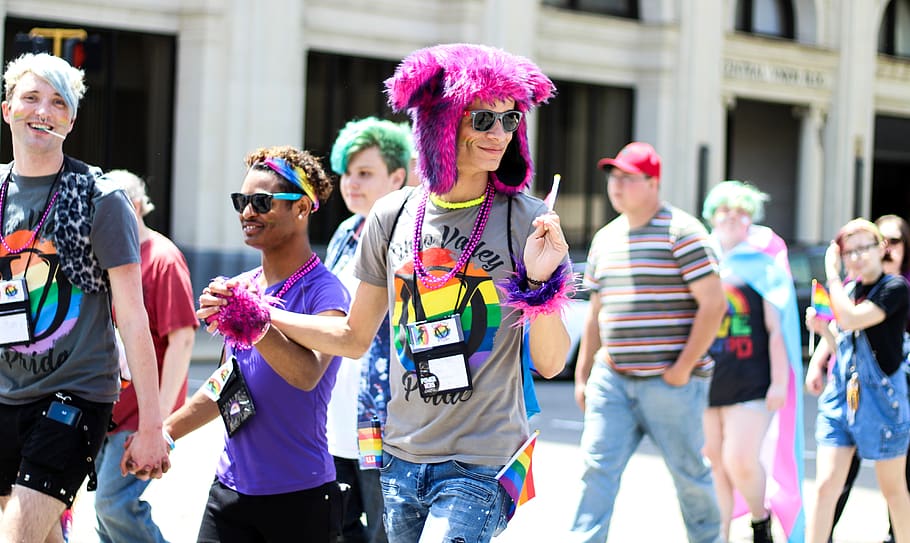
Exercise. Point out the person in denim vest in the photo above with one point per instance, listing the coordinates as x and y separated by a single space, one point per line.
864 406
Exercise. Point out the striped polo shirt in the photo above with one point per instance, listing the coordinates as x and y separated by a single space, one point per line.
642 278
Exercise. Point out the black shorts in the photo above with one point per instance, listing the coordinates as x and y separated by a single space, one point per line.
46 455
306 516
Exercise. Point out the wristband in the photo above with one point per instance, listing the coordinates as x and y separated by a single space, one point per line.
552 296
170 441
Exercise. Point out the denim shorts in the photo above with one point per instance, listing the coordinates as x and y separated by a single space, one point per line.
46 455
880 429
449 501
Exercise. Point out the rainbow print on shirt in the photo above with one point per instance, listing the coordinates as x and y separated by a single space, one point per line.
472 295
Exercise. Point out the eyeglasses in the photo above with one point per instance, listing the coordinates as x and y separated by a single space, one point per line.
859 251
619 176
261 201
484 119
893 241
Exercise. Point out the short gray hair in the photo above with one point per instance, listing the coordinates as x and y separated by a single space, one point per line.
134 187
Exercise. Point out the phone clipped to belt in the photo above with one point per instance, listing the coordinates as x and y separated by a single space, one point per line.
15 314
69 415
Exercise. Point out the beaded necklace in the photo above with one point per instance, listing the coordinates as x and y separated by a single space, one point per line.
432 282
307 267
47 209
439 202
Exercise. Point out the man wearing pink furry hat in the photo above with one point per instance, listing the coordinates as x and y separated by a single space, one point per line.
461 263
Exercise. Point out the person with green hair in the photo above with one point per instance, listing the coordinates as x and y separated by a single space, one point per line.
372 157
757 369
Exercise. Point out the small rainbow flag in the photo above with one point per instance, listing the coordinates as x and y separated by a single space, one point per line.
516 475
821 302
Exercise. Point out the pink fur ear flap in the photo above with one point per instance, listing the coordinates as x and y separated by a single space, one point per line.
415 85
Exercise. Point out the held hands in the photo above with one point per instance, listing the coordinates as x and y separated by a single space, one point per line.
212 299
546 247
145 455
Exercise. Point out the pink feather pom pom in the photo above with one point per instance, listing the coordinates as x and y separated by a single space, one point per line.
244 318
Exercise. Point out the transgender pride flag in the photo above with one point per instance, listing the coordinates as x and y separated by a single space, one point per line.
515 477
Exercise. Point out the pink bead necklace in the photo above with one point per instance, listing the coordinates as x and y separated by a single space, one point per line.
47 211
307 267
430 281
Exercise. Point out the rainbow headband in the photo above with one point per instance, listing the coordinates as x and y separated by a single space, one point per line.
295 175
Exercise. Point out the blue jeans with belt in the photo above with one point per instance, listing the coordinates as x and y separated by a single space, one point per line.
880 428
620 410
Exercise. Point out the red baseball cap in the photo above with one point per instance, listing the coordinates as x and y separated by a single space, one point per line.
636 157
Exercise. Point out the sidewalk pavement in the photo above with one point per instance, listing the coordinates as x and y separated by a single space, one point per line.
646 507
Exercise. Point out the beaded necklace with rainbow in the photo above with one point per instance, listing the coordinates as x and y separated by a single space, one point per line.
307 267
432 282
47 210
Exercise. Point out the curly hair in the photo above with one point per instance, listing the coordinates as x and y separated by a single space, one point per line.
321 183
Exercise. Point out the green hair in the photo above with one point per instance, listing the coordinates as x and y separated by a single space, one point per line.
393 140
738 195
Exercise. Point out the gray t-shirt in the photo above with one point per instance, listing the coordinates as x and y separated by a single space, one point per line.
487 424
73 348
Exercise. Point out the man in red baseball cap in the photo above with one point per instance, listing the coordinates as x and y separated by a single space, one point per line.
642 365
636 157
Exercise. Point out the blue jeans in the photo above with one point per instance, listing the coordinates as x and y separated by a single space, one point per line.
620 410
449 501
121 513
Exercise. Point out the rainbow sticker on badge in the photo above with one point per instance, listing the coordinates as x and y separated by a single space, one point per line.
425 335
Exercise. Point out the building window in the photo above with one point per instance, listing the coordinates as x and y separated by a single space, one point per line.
894 34
616 8
340 88
766 18
582 124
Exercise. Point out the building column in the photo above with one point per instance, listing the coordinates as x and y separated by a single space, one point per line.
809 175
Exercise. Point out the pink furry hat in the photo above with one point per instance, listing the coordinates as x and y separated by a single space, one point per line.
435 85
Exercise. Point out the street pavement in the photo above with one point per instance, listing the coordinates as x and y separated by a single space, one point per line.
646 508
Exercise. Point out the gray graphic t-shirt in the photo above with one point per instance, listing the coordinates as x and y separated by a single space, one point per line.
73 347
484 425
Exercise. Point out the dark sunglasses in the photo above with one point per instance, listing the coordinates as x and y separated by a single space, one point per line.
484 119
261 201
893 241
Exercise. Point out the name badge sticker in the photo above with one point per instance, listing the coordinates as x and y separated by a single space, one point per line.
15 314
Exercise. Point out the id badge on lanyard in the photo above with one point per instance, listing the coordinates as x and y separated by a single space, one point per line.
440 356
15 314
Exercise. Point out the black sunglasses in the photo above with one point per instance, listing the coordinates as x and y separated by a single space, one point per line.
484 119
261 201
